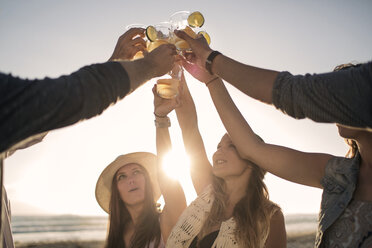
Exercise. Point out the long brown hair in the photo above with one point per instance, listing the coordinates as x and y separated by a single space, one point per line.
252 213
148 227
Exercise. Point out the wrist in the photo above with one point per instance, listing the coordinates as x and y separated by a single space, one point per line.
209 61
160 115
149 66
205 55
162 122
139 71
214 79
189 130
187 122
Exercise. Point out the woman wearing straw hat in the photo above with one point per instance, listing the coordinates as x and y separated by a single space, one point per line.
128 190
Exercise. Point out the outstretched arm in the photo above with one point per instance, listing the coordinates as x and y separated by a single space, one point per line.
174 198
29 107
333 97
253 81
292 165
200 167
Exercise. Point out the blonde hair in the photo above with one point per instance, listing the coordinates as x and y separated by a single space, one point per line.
353 148
252 213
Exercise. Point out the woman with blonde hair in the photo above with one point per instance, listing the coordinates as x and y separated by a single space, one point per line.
346 207
232 208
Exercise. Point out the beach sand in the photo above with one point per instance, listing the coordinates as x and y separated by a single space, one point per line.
294 241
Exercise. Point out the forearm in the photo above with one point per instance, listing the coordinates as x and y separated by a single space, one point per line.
28 107
193 142
163 141
188 121
255 82
163 147
139 71
200 167
240 132
174 198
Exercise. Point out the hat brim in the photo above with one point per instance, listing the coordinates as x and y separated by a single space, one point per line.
103 188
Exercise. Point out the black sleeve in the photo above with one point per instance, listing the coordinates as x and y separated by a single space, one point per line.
343 97
28 107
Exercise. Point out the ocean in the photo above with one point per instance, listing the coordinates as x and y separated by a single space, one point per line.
29 229
32 229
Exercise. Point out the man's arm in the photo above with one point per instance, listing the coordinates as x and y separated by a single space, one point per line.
28 107
342 97
253 81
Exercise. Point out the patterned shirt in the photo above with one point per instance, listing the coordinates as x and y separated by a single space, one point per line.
353 228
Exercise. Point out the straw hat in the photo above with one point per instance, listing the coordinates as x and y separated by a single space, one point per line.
145 159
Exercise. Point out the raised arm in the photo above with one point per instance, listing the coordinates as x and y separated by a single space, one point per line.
174 198
200 167
292 165
333 97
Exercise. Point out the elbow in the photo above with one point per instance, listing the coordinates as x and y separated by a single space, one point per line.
251 152
244 155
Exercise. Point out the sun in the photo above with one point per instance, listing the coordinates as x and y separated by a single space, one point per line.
176 165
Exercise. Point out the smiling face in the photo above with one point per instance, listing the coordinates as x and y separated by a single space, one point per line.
131 182
226 160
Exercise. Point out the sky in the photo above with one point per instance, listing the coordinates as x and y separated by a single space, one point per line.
50 38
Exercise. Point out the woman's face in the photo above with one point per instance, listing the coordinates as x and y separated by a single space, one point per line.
226 160
131 184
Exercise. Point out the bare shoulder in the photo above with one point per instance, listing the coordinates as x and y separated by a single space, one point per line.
277 214
277 234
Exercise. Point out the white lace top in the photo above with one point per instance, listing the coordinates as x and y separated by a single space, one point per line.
192 219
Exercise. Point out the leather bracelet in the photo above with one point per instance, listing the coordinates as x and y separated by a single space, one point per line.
209 61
